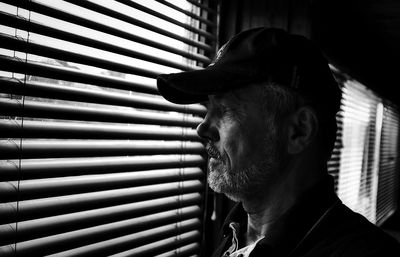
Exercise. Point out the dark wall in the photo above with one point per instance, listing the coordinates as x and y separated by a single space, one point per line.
237 15
358 37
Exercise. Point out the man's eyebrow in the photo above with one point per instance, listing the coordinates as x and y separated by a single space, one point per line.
212 100
217 99
219 96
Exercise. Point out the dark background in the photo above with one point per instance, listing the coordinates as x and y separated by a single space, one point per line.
359 37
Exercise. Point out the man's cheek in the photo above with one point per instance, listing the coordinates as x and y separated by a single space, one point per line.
235 149
215 165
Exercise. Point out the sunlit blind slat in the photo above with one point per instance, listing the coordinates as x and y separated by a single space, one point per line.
92 160
59 13
185 251
43 29
184 245
68 130
47 90
66 73
189 14
35 108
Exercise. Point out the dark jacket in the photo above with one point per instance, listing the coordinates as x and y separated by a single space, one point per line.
318 225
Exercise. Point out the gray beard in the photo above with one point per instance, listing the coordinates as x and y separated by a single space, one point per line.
250 182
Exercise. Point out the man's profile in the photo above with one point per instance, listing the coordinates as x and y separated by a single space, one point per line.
269 130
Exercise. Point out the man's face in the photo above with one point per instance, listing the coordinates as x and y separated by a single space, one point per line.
242 144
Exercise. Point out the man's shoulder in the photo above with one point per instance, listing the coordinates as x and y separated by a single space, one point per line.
347 233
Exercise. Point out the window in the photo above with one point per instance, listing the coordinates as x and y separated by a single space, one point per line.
367 140
388 184
92 160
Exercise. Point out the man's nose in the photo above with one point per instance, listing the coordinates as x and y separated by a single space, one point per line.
207 130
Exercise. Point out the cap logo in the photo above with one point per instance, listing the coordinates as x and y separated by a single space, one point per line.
218 55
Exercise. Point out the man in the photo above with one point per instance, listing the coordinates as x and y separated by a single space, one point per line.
270 129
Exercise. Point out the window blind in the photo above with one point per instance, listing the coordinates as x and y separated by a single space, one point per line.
93 162
364 161
389 164
356 179
333 163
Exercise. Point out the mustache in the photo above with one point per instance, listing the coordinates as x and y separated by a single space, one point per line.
213 151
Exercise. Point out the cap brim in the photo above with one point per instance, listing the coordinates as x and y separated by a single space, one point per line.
194 86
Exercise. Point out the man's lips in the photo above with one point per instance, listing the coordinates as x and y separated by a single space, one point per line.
213 152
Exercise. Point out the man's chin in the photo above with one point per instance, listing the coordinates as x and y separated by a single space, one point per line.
214 182
217 184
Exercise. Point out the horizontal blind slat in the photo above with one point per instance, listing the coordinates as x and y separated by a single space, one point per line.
40 208
11 149
45 90
164 245
62 73
69 17
58 129
185 251
165 17
49 187
42 168
14 43
14 107
121 224
202 6
70 240
142 238
190 14
131 20
35 27
129 210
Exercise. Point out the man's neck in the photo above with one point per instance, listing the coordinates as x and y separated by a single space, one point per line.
262 213
266 209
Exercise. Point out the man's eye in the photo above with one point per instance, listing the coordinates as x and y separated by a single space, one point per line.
225 110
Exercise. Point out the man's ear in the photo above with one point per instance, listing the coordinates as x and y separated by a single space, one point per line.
302 129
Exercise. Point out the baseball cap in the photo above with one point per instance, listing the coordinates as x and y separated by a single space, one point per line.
258 55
